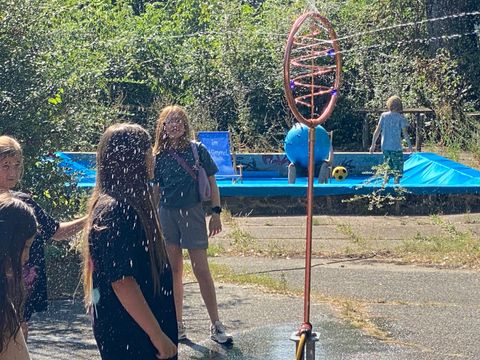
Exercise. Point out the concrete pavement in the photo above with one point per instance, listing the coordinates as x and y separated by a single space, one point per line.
362 309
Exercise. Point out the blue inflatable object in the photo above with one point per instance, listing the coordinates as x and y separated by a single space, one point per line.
296 145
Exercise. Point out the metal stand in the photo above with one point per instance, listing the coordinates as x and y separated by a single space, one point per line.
309 350
304 82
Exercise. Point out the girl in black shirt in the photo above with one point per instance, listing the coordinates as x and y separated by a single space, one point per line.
35 275
127 277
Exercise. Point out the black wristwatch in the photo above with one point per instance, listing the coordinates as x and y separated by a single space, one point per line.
216 209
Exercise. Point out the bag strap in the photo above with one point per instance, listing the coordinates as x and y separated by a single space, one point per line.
195 153
183 163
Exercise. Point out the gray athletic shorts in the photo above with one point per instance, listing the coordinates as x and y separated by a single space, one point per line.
185 227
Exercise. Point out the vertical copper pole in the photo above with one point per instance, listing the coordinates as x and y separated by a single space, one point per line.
311 173
308 246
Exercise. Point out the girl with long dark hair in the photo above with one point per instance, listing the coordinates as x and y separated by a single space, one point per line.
17 230
127 276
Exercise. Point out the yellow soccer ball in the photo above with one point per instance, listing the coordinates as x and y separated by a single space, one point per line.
339 173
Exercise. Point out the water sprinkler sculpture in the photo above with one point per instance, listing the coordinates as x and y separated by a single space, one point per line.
312 68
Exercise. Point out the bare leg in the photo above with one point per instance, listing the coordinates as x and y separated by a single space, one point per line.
199 260
175 257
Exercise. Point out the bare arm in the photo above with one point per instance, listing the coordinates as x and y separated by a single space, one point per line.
215 223
131 297
376 134
215 192
69 228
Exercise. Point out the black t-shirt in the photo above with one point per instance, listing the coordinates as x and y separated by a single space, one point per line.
118 249
35 274
177 188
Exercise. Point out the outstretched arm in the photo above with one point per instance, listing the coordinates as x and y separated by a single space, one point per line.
376 134
131 297
69 228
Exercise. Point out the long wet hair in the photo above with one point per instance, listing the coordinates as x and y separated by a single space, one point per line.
123 175
17 225
162 142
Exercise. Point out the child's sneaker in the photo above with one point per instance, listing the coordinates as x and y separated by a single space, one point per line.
182 331
219 334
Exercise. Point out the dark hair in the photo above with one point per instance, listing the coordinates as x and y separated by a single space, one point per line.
122 174
17 225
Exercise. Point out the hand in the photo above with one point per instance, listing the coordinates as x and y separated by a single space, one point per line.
214 225
410 149
166 349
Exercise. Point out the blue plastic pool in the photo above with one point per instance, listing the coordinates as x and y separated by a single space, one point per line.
424 174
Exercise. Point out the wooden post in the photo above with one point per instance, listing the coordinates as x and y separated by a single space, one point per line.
418 131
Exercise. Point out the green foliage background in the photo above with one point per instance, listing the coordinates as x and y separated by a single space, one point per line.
70 68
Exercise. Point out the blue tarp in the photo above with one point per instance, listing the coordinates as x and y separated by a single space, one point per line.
429 168
81 165
424 173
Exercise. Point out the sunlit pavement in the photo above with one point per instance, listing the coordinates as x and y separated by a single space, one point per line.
261 323
429 314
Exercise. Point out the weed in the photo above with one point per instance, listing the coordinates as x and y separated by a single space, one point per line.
226 274
455 248
215 250
347 230
380 197
241 239
227 217
275 248
319 221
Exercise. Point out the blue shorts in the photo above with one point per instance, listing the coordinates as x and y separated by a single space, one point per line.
394 160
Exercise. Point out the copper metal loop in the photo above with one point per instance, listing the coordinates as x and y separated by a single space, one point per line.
312 67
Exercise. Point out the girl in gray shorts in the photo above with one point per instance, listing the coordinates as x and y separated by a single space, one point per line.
181 213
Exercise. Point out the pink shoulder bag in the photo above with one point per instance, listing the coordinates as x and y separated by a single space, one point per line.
198 173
